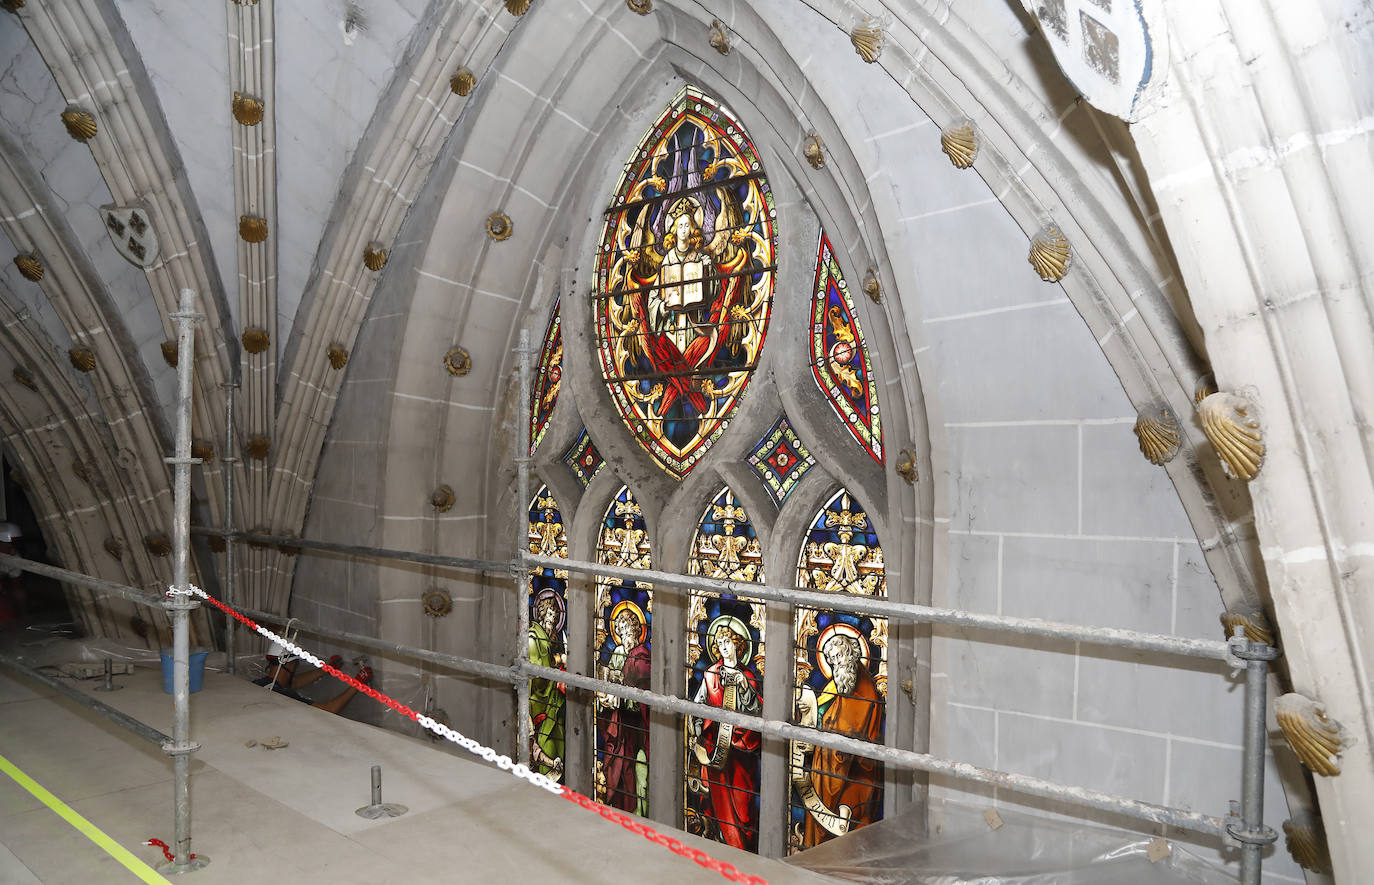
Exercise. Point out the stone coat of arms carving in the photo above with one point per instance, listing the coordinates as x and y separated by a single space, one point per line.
131 229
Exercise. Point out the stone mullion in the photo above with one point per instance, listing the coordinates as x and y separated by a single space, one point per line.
77 45
422 118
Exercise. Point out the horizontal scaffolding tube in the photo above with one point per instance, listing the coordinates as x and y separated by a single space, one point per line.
921 614
1033 786
466 665
99 585
467 562
142 729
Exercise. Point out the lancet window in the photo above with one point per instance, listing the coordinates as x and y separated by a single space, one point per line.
725 655
548 635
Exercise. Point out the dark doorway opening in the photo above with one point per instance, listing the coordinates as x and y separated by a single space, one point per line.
29 600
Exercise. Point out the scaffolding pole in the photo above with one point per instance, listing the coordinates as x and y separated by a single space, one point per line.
524 724
1250 830
179 602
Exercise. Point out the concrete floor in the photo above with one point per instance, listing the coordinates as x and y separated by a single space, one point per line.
287 815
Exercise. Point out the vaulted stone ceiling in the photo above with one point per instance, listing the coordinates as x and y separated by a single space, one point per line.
374 164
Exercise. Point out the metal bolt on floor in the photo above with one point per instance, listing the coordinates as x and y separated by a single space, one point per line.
378 808
109 678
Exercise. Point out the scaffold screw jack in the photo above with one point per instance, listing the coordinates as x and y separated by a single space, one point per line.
378 808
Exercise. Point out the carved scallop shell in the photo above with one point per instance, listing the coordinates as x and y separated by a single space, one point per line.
247 109
30 266
338 357
82 359
114 547
1205 387
643 7
960 144
438 603
257 447
718 37
906 466
24 377
203 450
441 499
499 226
217 543
11 5
868 41
1159 434
1253 621
81 471
80 124
1306 841
872 287
1231 423
518 7
458 361
170 351
374 256
813 149
1316 739
158 544
462 81
256 340
252 229
1050 254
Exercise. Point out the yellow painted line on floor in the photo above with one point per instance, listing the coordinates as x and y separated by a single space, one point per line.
85 827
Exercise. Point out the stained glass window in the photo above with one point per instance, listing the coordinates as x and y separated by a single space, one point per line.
839 357
724 669
624 628
841 678
583 459
548 635
684 280
781 460
544 391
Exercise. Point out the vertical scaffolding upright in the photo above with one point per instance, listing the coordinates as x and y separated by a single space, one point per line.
522 497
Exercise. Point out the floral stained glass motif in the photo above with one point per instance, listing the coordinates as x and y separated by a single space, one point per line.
725 653
544 392
684 280
624 629
839 357
548 635
583 459
781 460
841 679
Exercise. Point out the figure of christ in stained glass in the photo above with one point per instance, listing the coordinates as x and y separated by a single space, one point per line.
547 636
685 280
725 657
839 355
841 682
624 625
548 380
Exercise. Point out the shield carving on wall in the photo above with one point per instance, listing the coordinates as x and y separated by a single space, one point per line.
131 229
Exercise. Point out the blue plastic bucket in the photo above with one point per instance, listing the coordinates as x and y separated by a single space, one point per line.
197 668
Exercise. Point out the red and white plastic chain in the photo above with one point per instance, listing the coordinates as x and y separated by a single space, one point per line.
166 849
505 763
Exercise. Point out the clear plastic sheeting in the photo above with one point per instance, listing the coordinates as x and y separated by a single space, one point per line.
962 848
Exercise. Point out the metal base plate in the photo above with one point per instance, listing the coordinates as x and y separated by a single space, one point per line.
172 868
386 809
108 688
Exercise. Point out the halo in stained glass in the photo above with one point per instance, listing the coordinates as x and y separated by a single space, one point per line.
725 661
583 459
781 460
839 356
548 380
622 653
547 635
841 672
684 280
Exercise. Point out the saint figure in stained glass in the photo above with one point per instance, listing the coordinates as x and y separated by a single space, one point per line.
547 635
725 652
546 383
839 357
685 280
841 679
622 648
